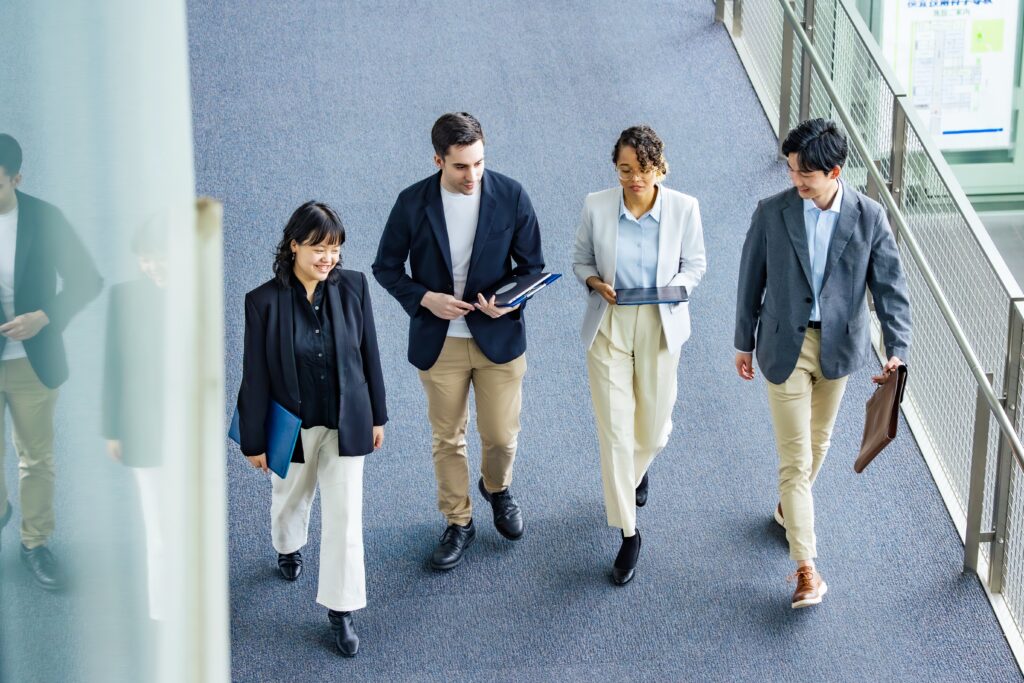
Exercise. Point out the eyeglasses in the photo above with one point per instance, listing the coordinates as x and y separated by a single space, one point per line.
629 174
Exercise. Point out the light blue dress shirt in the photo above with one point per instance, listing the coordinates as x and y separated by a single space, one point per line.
636 250
820 225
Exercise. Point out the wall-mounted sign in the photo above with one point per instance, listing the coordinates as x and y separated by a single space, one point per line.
956 59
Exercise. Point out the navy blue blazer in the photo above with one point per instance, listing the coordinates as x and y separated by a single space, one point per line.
268 364
506 232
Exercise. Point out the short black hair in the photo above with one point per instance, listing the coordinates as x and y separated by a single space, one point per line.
819 145
10 155
455 129
650 150
311 223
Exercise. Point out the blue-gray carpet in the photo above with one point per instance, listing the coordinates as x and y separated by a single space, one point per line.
335 101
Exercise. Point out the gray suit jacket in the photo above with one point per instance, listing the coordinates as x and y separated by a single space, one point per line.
775 297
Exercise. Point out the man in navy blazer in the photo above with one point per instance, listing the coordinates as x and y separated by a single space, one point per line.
811 255
464 230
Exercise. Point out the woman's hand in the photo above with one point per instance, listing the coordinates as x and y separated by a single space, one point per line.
258 461
378 437
601 287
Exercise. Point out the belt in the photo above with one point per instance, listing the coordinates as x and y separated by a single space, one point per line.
814 324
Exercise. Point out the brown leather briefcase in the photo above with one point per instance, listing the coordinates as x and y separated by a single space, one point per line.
881 415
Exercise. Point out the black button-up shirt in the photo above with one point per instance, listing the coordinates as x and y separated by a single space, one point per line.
315 358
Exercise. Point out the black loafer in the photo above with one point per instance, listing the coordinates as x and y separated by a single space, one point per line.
508 517
454 542
641 492
344 630
43 567
290 565
625 562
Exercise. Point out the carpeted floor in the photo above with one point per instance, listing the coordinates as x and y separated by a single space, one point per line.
334 101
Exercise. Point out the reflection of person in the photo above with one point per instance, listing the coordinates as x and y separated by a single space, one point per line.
133 389
311 345
38 247
809 257
461 229
641 234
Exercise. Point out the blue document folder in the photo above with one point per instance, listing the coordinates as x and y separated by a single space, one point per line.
517 290
282 432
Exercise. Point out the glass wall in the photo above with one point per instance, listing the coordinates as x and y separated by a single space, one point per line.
110 568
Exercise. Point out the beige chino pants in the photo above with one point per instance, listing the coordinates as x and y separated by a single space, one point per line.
633 388
31 404
804 410
499 395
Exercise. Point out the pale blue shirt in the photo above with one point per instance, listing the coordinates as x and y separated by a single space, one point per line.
820 225
636 250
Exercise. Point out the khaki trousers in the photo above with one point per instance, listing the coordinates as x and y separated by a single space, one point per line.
499 396
342 582
804 410
633 388
31 404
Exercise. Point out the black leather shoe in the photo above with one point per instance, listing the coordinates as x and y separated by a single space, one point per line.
625 562
454 542
641 492
344 633
290 564
508 518
43 566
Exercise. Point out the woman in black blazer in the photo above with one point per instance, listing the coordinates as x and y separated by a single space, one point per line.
310 345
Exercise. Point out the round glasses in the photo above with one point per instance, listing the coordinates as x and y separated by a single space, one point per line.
629 174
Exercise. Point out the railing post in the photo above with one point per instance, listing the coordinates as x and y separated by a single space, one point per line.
976 493
806 69
719 11
737 18
786 91
1005 462
897 158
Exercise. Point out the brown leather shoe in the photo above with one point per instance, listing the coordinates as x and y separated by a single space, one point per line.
778 516
810 587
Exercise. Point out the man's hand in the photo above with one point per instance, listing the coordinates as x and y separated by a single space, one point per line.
114 449
25 326
745 365
489 307
258 461
606 291
893 363
445 306
378 437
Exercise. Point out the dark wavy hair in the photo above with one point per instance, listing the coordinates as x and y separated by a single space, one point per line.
650 150
819 145
311 223
456 129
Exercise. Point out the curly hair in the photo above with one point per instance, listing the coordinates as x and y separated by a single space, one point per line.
650 150
311 223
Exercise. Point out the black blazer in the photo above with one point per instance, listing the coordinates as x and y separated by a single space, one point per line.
46 247
507 231
268 364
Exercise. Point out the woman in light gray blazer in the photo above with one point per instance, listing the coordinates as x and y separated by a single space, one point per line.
640 234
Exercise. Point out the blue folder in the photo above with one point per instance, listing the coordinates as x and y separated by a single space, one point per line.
282 432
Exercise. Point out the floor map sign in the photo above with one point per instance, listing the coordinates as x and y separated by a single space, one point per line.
956 59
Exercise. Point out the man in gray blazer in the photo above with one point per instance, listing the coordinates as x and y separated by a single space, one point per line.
810 256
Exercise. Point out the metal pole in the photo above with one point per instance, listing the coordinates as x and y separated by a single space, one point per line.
806 70
1004 464
898 157
786 91
976 493
737 18
719 11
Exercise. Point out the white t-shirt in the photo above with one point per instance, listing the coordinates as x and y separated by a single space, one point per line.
461 215
8 242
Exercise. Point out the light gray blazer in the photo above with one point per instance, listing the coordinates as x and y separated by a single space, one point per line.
681 260
774 294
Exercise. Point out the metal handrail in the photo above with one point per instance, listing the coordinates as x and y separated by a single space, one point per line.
985 388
